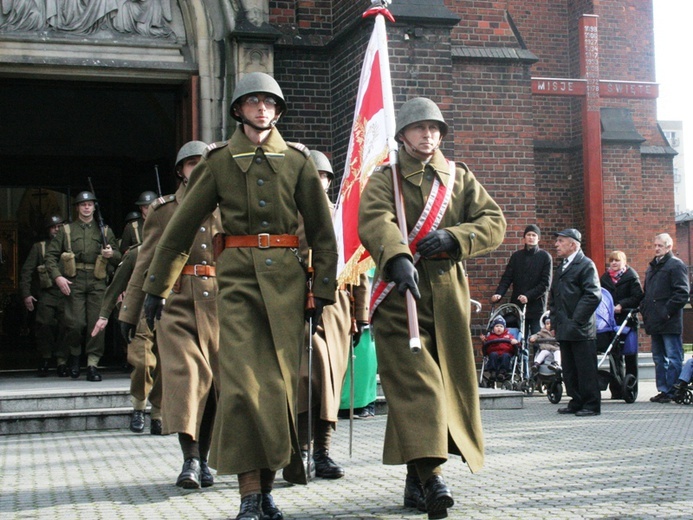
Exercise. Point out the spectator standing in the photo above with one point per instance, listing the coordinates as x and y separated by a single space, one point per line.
573 299
666 293
529 272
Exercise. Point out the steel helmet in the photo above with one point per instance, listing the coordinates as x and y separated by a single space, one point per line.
257 82
146 198
189 149
419 109
53 220
322 163
133 215
84 196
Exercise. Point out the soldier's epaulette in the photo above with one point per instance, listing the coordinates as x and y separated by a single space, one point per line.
300 147
165 199
214 146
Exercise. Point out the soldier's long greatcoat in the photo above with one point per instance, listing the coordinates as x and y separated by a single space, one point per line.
432 396
187 335
259 189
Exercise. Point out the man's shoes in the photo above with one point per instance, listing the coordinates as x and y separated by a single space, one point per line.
74 367
414 493
62 370
43 368
155 427
137 421
206 477
93 374
251 508
270 509
661 397
666 398
586 413
567 410
325 467
438 497
189 477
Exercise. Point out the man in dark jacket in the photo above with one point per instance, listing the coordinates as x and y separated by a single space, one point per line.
574 296
666 293
529 272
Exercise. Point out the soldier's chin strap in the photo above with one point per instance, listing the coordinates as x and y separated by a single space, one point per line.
411 147
259 128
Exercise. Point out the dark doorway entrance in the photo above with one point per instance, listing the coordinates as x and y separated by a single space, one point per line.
54 135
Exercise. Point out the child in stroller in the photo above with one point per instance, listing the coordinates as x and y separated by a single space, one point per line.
546 368
499 349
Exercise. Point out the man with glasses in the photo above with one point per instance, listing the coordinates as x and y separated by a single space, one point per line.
666 293
261 184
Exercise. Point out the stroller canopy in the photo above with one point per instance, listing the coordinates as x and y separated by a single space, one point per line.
605 313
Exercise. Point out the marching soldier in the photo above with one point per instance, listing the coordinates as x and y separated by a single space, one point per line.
187 335
261 184
77 261
132 234
432 397
49 303
331 349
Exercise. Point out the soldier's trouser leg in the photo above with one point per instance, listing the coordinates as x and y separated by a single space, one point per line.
75 316
94 298
207 424
323 434
142 361
155 392
46 327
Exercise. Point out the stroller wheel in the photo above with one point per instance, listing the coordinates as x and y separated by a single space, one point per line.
527 387
689 398
554 392
630 388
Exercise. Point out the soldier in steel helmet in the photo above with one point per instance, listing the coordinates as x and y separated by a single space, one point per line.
132 233
331 347
261 184
39 293
432 397
77 261
187 334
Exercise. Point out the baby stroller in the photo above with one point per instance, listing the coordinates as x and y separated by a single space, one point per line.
610 341
518 377
549 375
684 394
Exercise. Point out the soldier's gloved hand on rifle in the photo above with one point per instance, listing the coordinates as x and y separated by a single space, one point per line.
435 243
356 337
153 305
107 252
401 270
127 330
316 313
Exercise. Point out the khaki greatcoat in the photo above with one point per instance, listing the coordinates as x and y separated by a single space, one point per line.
259 189
433 402
187 335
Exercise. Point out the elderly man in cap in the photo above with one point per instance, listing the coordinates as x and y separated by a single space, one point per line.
573 299
529 272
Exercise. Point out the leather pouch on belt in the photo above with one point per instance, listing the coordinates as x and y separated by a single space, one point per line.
44 278
100 267
218 243
69 267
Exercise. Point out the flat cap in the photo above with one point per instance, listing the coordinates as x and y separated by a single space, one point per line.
570 233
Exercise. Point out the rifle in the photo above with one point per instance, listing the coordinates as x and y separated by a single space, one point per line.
99 218
158 182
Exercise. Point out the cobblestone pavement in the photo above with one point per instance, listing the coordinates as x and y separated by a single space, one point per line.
632 462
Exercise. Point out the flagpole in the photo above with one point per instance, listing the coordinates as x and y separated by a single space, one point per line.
380 11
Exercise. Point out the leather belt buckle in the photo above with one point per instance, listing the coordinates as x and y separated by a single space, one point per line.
263 241
195 273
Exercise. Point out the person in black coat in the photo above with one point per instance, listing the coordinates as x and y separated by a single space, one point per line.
573 299
623 283
666 293
529 272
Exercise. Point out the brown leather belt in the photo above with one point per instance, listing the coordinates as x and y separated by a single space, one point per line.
261 241
199 270
83 266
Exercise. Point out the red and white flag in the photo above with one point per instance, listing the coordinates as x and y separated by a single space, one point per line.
372 139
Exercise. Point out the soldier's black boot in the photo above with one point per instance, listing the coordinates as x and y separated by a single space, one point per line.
137 421
414 493
206 477
43 368
189 477
438 498
325 467
74 367
251 508
270 509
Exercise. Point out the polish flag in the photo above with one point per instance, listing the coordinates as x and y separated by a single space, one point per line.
372 139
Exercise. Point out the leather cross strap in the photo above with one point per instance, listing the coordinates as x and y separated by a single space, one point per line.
261 241
199 270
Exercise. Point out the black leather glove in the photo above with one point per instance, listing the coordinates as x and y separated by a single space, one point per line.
436 242
316 313
356 337
402 271
127 330
153 305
